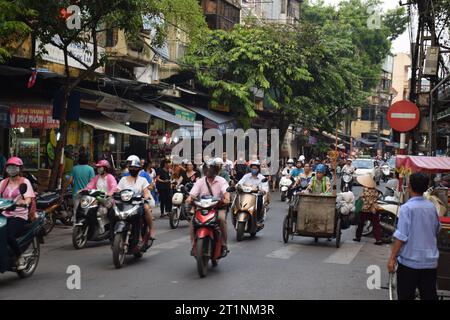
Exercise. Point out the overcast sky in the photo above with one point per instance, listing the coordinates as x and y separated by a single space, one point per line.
401 44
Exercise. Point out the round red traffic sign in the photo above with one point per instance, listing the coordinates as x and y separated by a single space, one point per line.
403 116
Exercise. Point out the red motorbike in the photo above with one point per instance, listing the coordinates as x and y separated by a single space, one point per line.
207 235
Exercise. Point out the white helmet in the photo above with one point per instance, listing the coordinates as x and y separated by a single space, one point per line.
218 161
133 158
255 163
185 161
290 161
302 158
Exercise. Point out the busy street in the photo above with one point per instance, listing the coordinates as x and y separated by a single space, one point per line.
236 150
259 268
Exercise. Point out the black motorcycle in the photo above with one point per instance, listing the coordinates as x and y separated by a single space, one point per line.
91 221
346 182
128 224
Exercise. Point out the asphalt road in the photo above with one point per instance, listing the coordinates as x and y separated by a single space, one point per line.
259 268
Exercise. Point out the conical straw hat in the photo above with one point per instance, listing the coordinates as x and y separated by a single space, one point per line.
366 181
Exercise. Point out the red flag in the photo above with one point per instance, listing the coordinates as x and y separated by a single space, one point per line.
32 79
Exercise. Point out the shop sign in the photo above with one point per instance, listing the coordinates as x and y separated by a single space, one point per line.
32 117
189 116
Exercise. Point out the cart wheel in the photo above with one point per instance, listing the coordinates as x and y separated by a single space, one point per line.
286 228
338 233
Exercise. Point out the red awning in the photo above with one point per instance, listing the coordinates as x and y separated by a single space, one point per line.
424 164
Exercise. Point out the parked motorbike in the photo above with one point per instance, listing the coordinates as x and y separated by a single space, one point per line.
207 243
245 210
346 182
29 241
285 183
91 221
127 226
180 210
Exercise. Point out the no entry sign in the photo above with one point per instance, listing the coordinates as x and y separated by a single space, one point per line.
403 116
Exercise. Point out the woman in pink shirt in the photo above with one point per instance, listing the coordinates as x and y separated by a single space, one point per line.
17 219
103 181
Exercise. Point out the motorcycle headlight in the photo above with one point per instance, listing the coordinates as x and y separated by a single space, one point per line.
86 202
247 189
126 195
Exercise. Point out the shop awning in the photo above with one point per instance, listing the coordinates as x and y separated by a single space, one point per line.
101 122
423 164
215 119
156 112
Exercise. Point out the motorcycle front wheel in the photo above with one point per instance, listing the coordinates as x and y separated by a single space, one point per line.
79 236
49 223
240 231
32 259
118 249
174 218
202 258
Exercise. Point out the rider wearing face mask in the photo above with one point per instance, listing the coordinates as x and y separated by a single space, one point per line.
255 179
17 219
103 181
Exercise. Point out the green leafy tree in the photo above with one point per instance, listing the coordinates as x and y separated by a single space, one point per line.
95 17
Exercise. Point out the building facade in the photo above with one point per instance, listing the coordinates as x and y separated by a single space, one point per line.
276 11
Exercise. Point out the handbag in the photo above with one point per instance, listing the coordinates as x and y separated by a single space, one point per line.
355 217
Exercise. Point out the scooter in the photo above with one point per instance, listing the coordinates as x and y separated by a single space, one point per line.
127 226
386 171
29 241
346 182
245 210
91 221
285 183
180 210
207 244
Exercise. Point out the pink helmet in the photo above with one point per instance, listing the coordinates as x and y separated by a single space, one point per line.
16 161
102 163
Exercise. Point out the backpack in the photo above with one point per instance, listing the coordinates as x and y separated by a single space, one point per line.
32 209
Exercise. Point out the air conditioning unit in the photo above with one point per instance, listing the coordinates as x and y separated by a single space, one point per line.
431 61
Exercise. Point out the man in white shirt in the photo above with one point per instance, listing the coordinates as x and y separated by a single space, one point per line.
255 179
227 164
290 166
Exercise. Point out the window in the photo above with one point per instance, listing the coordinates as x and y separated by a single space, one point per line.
283 6
368 113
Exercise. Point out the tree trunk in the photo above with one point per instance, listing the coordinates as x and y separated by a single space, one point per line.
56 174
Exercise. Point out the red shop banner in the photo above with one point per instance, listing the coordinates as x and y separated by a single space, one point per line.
36 116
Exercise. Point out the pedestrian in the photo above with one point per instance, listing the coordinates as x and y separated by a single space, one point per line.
80 176
415 249
163 185
227 164
149 168
369 208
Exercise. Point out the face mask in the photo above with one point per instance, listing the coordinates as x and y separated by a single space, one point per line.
12 171
254 171
101 170
134 173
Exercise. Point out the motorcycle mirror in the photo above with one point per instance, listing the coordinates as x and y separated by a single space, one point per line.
231 189
23 188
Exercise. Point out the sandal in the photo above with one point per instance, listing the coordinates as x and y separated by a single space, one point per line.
378 243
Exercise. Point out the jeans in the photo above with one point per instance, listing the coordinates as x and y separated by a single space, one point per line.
14 229
409 279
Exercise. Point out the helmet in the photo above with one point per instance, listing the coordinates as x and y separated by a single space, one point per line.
321 168
218 161
350 159
133 158
185 161
102 163
290 161
16 161
255 163
212 164
301 158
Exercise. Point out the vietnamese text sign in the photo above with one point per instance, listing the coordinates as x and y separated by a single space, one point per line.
32 117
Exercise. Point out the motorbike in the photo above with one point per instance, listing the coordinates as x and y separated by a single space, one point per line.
245 210
91 220
180 210
128 226
285 183
29 241
346 182
386 171
207 244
